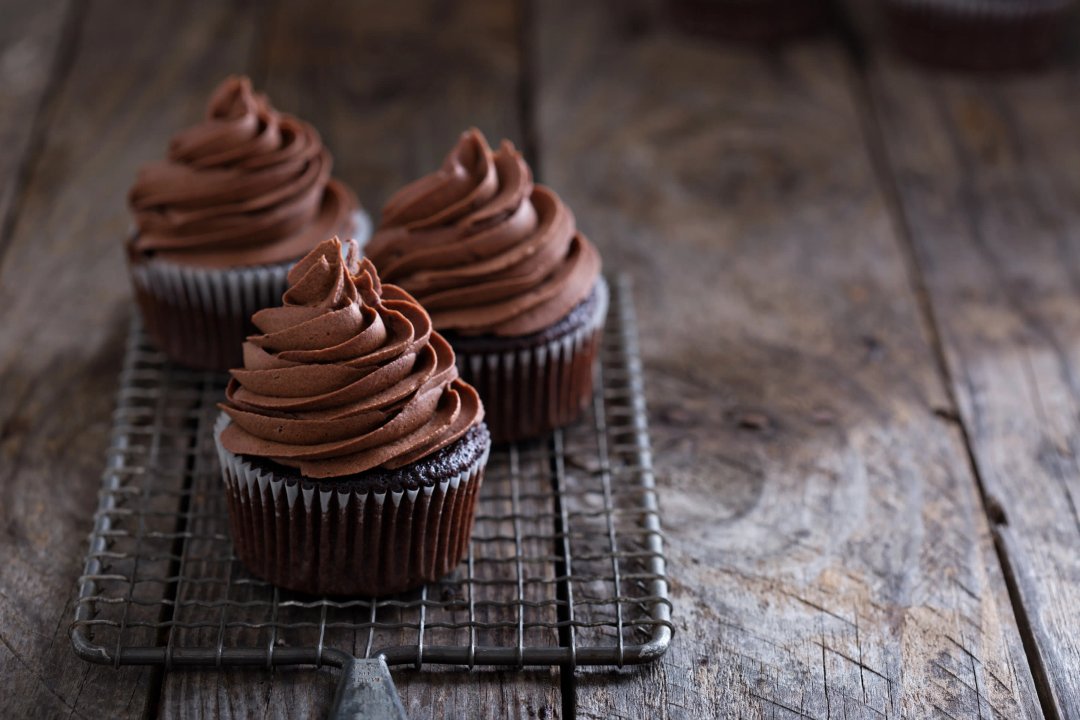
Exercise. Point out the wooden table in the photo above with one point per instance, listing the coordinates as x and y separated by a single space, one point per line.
859 291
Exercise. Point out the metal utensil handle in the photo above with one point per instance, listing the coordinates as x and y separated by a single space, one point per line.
366 691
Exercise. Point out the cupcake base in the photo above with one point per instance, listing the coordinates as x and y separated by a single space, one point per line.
533 384
200 317
377 533
977 35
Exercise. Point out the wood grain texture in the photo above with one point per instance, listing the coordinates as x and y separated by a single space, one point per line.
392 86
389 87
140 72
32 59
828 552
305 692
987 175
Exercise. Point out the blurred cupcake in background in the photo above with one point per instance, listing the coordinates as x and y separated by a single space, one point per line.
240 197
985 35
750 21
508 279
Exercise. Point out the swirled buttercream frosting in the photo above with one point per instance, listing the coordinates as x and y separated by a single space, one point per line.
246 186
346 376
482 248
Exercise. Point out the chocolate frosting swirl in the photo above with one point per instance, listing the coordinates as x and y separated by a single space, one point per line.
484 250
346 376
247 186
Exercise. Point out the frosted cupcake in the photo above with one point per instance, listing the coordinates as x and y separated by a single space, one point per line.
508 279
240 197
352 453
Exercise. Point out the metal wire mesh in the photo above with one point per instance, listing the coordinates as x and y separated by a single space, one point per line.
565 566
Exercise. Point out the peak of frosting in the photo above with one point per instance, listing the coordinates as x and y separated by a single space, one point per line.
346 375
246 186
482 247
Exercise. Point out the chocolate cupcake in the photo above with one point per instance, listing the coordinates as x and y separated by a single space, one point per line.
240 198
351 451
507 278
985 35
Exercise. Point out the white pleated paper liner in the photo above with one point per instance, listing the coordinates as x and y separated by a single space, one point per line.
528 392
327 537
200 317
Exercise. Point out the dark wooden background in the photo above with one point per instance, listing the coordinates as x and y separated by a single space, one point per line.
859 290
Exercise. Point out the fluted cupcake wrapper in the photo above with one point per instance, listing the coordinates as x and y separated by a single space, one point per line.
329 537
200 317
531 391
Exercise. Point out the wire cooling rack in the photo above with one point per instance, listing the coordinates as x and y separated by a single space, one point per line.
565 567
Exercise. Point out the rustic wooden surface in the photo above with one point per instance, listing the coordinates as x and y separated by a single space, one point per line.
30 39
58 367
856 284
826 539
986 179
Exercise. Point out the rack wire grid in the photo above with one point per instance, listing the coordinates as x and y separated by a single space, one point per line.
565 567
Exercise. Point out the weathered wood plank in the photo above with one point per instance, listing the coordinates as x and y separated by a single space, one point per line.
31 59
828 551
389 87
986 177
140 72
